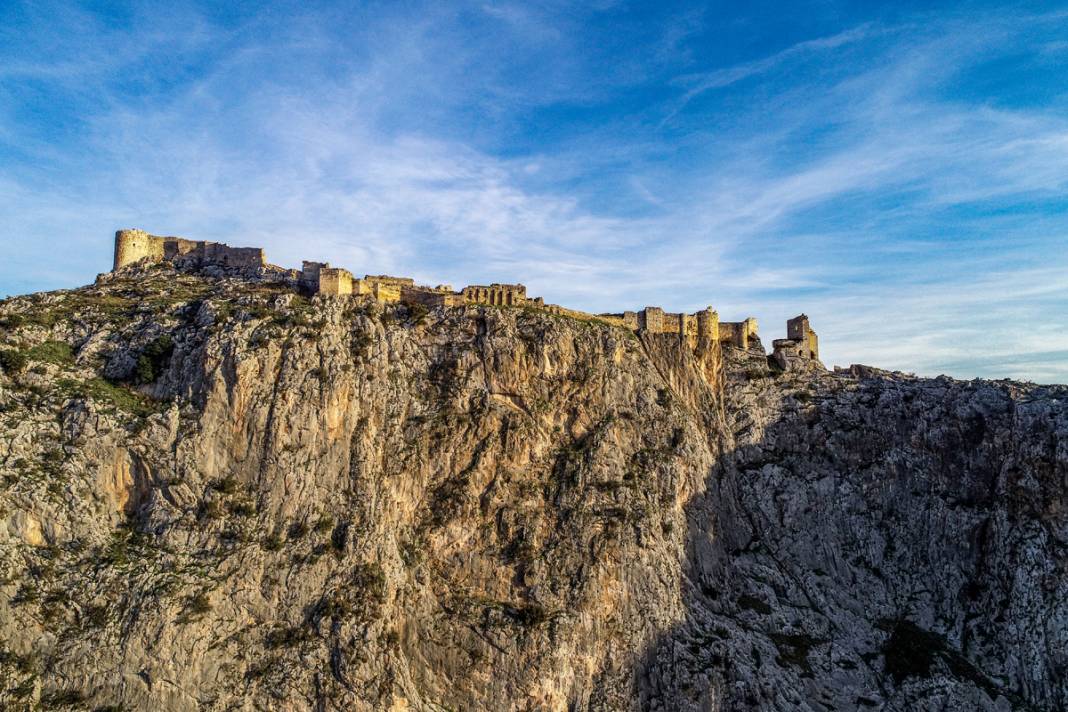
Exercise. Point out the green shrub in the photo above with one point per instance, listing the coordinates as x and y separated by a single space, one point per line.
209 510
285 637
96 616
12 361
12 321
126 543
197 605
272 542
339 539
528 615
225 485
259 311
27 593
154 358
243 508
62 698
359 600
298 530
417 313
910 651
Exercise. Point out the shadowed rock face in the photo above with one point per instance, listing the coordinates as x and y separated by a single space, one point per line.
334 504
882 542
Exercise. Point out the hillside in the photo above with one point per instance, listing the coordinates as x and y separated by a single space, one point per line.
220 494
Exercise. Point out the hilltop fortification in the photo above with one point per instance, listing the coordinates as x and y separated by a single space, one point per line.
136 245
798 351
226 485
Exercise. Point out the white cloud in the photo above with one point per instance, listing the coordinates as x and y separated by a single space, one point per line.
371 166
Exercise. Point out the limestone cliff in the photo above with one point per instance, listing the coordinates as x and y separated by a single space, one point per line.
219 494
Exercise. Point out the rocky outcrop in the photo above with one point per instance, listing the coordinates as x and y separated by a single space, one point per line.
219 494
876 541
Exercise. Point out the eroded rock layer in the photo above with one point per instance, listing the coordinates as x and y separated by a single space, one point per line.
218 494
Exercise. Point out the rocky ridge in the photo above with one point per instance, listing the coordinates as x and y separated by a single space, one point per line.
220 494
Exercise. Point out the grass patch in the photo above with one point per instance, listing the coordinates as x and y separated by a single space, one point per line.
108 306
56 352
272 542
118 397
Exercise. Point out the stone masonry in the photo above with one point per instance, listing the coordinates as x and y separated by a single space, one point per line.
135 245
798 349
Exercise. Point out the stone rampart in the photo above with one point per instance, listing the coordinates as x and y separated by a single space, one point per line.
431 297
136 245
738 333
335 281
383 291
496 294
700 328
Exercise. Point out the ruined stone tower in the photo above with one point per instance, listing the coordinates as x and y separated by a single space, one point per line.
134 245
800 349
798 329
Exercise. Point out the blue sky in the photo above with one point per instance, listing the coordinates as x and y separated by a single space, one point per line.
897 171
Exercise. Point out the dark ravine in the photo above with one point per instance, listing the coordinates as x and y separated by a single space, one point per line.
218 494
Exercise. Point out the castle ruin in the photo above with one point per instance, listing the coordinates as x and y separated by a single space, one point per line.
798 350
135 245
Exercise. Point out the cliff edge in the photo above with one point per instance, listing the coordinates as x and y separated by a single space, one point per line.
220 494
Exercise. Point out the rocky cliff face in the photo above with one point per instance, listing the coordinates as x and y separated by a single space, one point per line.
217 494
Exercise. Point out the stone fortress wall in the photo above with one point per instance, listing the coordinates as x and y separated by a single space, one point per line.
135 245
801 346
739 333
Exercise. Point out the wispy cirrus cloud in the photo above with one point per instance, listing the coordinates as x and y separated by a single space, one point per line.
697 84
894 197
